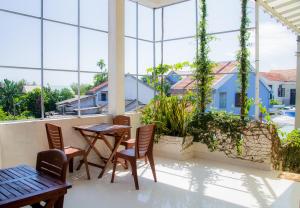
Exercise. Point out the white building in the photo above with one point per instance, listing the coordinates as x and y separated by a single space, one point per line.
137 93
283 85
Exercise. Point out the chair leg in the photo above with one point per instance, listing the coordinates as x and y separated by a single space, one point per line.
114 170
146 161
71 162
152 165
134 173
126 163
86 167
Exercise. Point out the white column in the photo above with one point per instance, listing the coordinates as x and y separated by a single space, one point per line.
297 119
116 85
256 61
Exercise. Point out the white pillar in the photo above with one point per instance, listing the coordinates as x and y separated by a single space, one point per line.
297 119
256 60
116 85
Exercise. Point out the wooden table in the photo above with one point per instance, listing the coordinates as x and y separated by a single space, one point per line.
23 185
92 133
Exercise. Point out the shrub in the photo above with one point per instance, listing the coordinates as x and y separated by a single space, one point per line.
170 114
291 152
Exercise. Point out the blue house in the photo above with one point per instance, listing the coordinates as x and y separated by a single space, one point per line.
225 93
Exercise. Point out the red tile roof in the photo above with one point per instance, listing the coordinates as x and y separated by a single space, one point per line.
288 75
95 89
220 70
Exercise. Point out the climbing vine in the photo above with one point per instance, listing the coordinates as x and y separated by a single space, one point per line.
202 64
243 59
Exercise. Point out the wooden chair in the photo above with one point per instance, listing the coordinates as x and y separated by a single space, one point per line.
143 148
55 141
54 163
125 120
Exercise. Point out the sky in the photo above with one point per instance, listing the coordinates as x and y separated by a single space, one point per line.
20 38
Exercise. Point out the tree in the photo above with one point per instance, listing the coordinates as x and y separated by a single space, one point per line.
84 88
243 59
102 76
9 92
202 63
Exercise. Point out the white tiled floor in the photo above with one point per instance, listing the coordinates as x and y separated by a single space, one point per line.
196 183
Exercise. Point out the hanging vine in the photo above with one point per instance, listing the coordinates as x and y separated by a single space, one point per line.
243 60
203 65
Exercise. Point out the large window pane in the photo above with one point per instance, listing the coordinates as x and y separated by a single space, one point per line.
94 94
180 20
20 40
179 51
60 46
130 56
145 56
130 18
31 7
220 19
20 94
145 26
94 14
61 10
58 89
93 46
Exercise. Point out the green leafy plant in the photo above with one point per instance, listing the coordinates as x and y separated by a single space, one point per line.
203 65
291 151
243 59
170 114
274 102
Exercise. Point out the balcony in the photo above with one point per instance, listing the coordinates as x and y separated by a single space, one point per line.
83 62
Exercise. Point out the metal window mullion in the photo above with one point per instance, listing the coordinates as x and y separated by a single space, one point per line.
78 57
137 54
154 49
42 61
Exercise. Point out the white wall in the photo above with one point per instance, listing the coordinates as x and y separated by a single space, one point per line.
145 95
21 141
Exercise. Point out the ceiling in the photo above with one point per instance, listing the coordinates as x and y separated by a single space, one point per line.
157 3
286 11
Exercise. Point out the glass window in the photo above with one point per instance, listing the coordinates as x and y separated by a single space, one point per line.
94 14
130 56
94 47
61 10
62 100
281 91
31 7
223 100
130 18
20 40
145 56
237 101
60 46
20 94
179 51
145 23
180 20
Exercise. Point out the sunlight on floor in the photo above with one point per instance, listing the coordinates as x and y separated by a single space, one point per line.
196 183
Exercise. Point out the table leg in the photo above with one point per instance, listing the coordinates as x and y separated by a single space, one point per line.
117 144
59 202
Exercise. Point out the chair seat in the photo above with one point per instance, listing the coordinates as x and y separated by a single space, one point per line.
73 151
127 153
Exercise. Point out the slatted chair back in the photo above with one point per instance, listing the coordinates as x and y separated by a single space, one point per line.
144 140
123 120
55 138
53 163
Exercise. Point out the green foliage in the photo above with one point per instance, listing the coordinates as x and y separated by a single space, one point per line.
4 116
243 59
9 91
84 88
157 77
206 126
291 152
170 114
274 102
264 112
202 63
102 76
